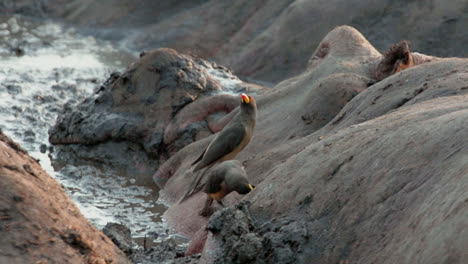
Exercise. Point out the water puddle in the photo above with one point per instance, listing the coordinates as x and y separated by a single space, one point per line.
43 66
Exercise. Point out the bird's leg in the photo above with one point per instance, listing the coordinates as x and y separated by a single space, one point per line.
220 203
206 211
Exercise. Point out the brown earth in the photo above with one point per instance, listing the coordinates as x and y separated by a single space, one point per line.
39 223
268 40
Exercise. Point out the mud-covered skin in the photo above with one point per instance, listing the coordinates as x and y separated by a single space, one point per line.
236 236
354 171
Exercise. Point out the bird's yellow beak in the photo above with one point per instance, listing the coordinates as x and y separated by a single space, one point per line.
251 187
245 98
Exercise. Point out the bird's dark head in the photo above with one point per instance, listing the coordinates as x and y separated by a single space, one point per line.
245 188
236 178
248 103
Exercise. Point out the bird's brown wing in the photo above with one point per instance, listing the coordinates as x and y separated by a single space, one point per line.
195 186
226 142
214 181
199 158
210 182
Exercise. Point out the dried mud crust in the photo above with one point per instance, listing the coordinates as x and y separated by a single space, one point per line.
236 236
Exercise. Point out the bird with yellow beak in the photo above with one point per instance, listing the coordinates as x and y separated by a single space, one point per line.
233 138
224 178
228 142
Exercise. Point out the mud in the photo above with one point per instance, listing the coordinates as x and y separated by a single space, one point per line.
236 235
58 68
167 252
120 235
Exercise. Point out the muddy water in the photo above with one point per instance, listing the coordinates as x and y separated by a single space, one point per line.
44 66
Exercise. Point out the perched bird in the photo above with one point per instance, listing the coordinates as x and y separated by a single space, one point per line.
228 142
226 177
233 138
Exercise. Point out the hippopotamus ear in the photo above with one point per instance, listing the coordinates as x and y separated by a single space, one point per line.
395 59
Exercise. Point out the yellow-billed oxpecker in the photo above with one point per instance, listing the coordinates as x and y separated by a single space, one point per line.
228 142
233 138
222 179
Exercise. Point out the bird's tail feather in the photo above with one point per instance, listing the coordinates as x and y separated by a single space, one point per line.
194 187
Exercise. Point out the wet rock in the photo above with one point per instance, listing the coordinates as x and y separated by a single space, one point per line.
120 235
39 222
29 135
43 148
13 89
19 51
